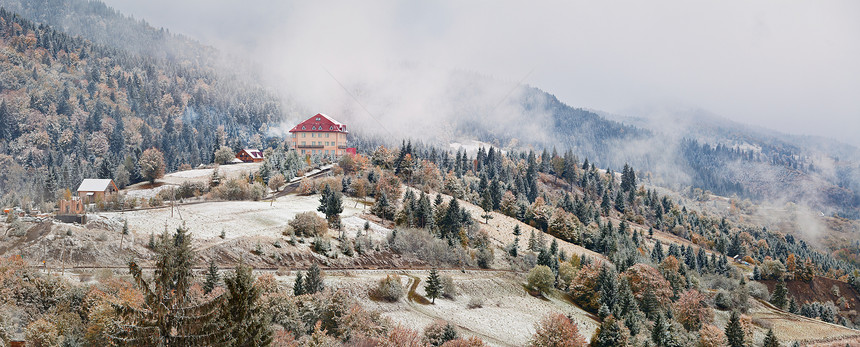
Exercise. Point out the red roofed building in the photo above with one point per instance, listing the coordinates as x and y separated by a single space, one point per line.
250 155
320 135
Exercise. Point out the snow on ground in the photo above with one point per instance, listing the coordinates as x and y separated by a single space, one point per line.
352 224
507 317
202 175
236 218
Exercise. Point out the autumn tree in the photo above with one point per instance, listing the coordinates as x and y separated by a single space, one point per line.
556 330
223 155
711 336
276 181
691 310
152 165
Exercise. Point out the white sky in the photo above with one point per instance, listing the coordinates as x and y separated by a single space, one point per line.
792 66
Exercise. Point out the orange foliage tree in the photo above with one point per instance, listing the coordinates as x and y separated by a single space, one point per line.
556 330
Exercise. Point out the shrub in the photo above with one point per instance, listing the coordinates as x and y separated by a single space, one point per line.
484 258
556 330
541 278
475 302
449 289
190 189
758 290
239 189
439 332
43 333
711 336
308 224
388 289
467 342
422 245
322 245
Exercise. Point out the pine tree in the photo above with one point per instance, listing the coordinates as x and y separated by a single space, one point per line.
299 286
517 231
553 247
532 241
514 251
331 204
314 280
778 298
770 339
212 278
433 286
734 331
487 206
609 334
166 318
246 322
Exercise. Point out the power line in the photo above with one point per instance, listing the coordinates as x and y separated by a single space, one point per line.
357 101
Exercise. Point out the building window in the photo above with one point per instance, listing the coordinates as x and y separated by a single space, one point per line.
303 143
330 128
303 127
303 134
303 151
326 152
318 119
326 134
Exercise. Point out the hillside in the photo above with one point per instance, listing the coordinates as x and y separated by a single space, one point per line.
76 109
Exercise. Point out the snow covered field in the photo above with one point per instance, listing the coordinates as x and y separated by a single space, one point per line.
237 219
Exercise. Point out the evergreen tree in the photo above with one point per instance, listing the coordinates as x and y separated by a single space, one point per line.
299 286
532 241
382 208
433 286
514 247
779 296
487 206
331 204
246 322
314 280
770 339
166 318
657 252
212 278
734 331
609 334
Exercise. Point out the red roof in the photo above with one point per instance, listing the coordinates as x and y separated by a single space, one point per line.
322 123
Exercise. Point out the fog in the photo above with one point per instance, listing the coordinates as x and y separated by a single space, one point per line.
788 66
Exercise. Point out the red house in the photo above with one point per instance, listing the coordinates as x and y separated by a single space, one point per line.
250 155
320 135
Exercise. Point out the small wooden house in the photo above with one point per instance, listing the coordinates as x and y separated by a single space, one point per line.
92 190
250 155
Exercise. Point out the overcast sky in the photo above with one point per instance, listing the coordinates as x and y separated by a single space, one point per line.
791 66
